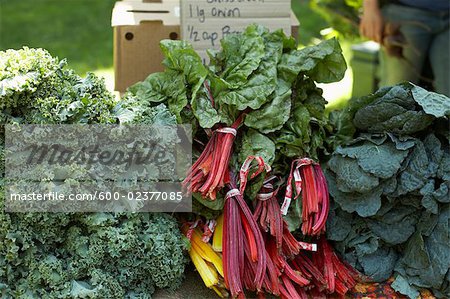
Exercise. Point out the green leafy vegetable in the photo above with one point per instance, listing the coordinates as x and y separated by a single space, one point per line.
257 144
432 103
257 72
262 86
35 88
204 111
323 63
82 255
391 190
273 115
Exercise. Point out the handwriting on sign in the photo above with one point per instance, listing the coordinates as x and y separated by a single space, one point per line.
196 11
200 12
211 36
205 22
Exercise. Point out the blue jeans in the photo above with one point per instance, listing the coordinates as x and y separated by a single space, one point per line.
427 34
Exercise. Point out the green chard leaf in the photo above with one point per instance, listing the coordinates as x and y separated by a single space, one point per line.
181 57
215 205
168 87
294 215
296 133
204 111
262 82
253 94
323 63
205 208
274 114
257 144
242 54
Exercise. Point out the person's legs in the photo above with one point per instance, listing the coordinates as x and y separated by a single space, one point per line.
417 31
440 63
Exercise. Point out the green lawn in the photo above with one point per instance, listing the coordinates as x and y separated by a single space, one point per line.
80 30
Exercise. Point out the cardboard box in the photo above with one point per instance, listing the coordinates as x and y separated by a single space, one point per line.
138 28
139 25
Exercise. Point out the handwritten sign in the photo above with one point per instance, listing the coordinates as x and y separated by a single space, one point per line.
205 22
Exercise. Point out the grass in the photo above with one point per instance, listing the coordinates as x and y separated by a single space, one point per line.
80 30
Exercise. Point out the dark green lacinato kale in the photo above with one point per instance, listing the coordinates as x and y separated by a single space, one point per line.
78 255
258 72
390 186
404 109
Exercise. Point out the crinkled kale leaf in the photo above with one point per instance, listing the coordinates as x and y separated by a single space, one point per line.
390 185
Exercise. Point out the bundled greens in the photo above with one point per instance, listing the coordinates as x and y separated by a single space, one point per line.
390 182
257 74
90 255
256 101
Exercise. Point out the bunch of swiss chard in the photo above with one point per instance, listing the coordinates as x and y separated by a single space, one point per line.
390 182
259 253
256 97
256 101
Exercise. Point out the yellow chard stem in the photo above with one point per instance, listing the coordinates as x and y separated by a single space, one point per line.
208 274
205 251
222 292
217 237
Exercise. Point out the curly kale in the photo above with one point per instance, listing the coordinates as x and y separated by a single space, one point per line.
101 255
76 255
36 88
